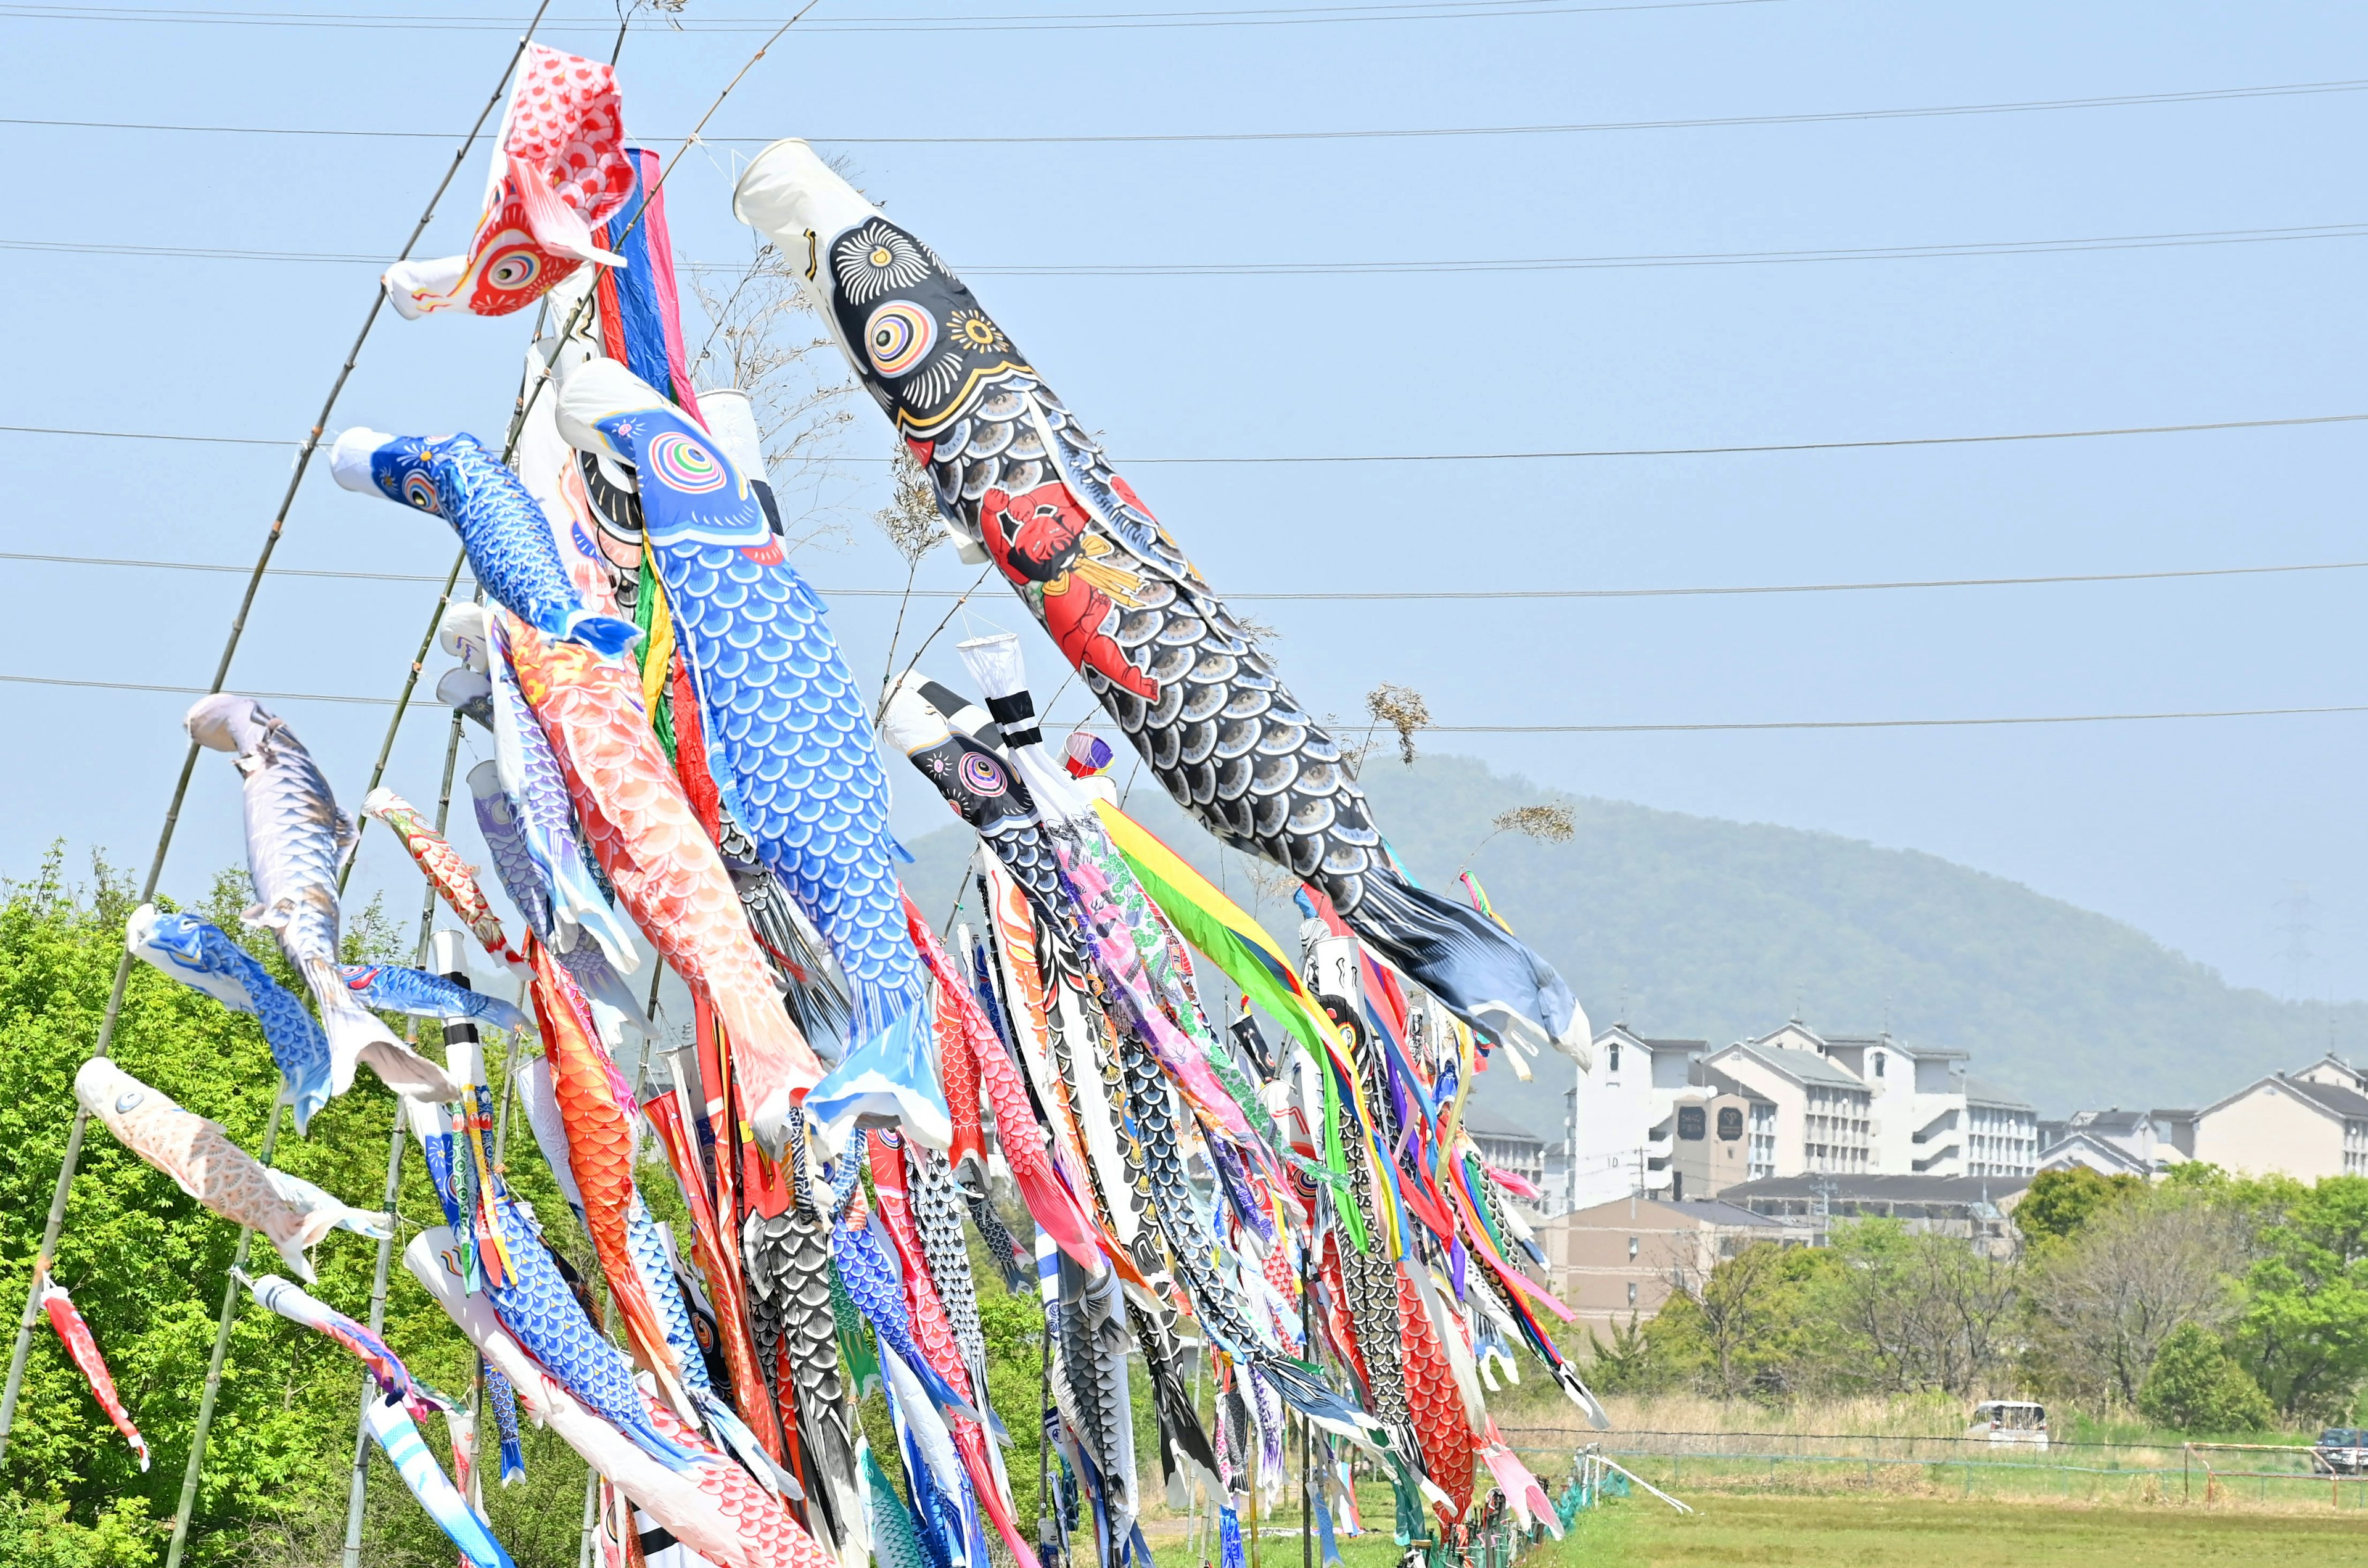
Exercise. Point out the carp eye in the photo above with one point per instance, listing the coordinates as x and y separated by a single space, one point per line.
684 464
517 270
419 491
898 337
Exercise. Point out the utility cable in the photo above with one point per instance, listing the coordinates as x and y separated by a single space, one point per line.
1543 455
2186 240
1493 729
1073 21
1383 594
1719 122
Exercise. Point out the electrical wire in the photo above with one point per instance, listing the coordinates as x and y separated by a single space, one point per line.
1440 729
1456 457
2177 241
1074 21
1347 596
1714 123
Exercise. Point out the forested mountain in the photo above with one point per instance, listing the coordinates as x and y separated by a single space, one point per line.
1692 926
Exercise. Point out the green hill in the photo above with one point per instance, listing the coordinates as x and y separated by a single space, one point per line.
1689 926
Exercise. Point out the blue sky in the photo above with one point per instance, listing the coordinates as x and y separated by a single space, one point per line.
2194 832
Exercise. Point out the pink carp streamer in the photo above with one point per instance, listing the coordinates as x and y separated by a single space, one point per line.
75 1335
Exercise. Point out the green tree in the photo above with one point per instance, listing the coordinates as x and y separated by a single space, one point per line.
2196 1386
1626 1362
2303 1332
1915 1313
2057 1203
147 1266
2103 1301
1746 1329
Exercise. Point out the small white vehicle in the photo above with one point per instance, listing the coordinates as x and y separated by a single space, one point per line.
2010 1421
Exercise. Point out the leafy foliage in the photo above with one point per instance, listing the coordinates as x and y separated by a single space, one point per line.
147 1268
2196 1386
2057 1203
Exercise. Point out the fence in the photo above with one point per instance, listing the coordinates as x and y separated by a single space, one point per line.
1970 1467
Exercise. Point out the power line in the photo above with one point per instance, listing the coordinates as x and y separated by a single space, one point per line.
1433 729
1356 597
1453 457
2184 240
1714 123
1880 724
1080 21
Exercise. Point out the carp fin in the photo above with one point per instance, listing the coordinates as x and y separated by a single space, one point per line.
604 634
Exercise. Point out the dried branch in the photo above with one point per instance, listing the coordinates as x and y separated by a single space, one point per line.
1403 709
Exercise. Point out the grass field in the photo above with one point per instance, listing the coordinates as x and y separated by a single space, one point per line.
1879 1532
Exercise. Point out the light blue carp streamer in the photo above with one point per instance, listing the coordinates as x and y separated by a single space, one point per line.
501 526
392 988
504 1400
501 822
788 732
407 1452
528 771
544 1316
649 1252
1229 1537
201 954
505 834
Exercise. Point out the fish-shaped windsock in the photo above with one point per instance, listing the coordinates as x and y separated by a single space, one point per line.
501 527
871 1281
202 1160
788 734
560 168
544 1316
501 822
596 1111
529 775
201 954
454 878
391 1425
75 1335
642 830
716 1508
503 1398
1024 486
297 840
290 1302
394 989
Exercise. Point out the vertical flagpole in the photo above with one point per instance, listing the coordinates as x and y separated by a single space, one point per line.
108 1020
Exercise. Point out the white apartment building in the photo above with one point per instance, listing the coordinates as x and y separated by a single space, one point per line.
2002 1133
1622 1122
1648 1115
1824 1121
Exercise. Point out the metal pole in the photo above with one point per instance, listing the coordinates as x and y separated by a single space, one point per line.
1306 1427
107 1019
214 1367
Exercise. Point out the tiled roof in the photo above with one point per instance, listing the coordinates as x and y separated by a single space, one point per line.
1806 1066
1981 1091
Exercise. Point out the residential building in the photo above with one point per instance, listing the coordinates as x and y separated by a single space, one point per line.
1625 1258
2119 1142
1623 1121
1508 1147
2306 1124
1973 1209
2002 1133
1824 1112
